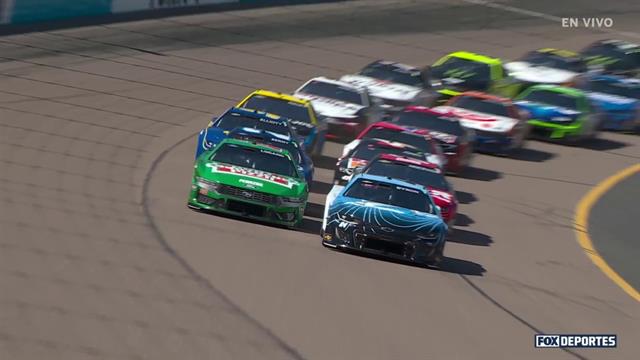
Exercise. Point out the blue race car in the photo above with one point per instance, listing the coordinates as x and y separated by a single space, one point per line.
617 97
299 156
219 128
384 216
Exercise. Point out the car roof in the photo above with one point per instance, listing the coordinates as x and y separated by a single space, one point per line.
323 79
257 145
623 45
263 133
467 55
426 110
389 180
281 96
485 96
409 161
388 144
255 114
398 65
559 89
559 52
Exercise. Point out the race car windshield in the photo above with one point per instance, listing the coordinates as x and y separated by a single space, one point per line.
407 172
552 98
254 158
231 121
332 91
286 145
394 74
482 105
288 109
555 61
473 74
615 88
390 194
429 121
417 141
368 151
613 58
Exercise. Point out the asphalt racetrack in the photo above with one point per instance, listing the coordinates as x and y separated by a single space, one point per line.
101 259
612 226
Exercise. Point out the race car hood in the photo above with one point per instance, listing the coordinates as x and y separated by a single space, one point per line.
525 71
331 107
610 102
479 120
546 112
384 89
387 219
250 179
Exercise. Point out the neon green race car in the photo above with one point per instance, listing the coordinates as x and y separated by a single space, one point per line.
462 71
251 180
559 113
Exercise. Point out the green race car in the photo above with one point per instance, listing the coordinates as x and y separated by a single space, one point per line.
462 71
249 179
559 113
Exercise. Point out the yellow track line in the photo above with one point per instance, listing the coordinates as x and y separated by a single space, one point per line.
582 227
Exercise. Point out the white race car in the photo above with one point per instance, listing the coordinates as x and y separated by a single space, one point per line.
396 85
346 108
499 126
547 66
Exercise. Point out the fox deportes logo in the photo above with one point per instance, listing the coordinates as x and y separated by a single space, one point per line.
576 341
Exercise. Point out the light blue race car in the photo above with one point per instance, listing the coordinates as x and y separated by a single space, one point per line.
383 216
617 97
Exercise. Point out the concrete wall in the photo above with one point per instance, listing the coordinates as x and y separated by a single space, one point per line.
20 12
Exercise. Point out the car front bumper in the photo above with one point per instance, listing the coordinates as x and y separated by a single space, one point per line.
261 211
552 131
399 248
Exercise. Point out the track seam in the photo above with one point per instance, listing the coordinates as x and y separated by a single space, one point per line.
197 277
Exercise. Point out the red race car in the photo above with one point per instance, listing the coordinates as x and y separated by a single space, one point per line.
419 172
455 140
420 139
500 127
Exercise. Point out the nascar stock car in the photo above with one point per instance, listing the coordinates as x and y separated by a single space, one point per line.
251 180
302 116
617 97
615 56
418 172
463 71
547 66
366 150
559 113
347 109
455 140
396 85
384 216
299 156
419 138
499 126
220 127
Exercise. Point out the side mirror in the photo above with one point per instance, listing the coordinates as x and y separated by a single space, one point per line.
377 101
358 170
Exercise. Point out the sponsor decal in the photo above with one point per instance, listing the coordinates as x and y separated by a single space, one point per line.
354 163
448 138
265 176
468 115
440 195
249 183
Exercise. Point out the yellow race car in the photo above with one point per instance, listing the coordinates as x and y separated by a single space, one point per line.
300 112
